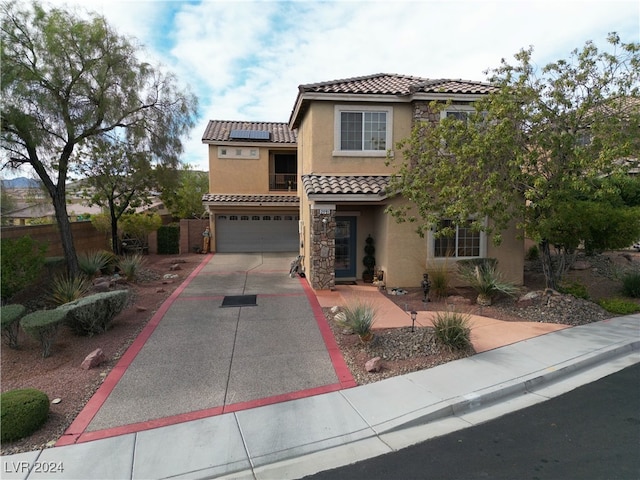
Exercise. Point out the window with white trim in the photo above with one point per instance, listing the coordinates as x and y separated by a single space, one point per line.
464 243
459 112
362 130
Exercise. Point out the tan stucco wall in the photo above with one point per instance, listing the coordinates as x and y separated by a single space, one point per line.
241 175
316 149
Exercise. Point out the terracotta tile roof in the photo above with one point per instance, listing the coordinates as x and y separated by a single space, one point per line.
250 199
219 130
402 87
392 84
345 184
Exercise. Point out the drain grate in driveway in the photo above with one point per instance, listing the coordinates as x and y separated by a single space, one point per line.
239 301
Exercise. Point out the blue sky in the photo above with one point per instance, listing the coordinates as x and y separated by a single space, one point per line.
244 60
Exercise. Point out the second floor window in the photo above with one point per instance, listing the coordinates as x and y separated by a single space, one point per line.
362 130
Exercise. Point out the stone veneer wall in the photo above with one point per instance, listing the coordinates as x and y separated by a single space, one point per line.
422 111
323 250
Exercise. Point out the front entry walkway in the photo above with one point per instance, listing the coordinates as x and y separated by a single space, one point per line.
197 359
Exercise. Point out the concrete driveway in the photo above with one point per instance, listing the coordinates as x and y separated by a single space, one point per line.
197 358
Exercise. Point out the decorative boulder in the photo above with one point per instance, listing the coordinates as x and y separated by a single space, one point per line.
373 365
94 359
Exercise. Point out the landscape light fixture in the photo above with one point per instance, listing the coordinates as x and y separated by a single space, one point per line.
413 314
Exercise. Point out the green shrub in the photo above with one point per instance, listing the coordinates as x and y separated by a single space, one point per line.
576 289
359 317
65 289
43 326
22 261
631 284
94 262
619 306
93 314
452 330
23 412
533 253
130 266
10 316
169 239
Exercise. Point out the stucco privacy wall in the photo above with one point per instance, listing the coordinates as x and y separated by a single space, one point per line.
85 237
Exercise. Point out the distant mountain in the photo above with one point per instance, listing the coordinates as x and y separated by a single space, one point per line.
21 182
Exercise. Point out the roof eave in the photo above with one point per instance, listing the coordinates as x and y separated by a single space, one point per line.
347 197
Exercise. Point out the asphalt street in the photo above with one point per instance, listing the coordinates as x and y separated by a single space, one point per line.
592 432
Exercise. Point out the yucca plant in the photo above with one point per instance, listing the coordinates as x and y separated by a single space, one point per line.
130 266
65 288
359 317
452 330
487 281
94 262
440 277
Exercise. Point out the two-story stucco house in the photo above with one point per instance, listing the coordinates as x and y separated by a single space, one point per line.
318 185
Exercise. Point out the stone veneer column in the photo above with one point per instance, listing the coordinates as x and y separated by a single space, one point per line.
323 249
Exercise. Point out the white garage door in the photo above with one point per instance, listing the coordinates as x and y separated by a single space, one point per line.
257 233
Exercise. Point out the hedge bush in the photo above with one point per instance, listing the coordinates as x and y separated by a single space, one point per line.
22 412
169 239
10 316
43 326
93 314
619 306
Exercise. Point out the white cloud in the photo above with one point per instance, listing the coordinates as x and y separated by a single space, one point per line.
244 60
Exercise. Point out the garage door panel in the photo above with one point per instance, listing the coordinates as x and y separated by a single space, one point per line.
256 233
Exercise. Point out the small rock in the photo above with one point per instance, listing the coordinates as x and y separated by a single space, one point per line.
167 276
167 282
335 309
94 359
373 365
340 317
56 401
160 290
102 287
140 308
174 267
99 280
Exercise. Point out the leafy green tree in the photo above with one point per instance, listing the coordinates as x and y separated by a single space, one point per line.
541 137
185 199
69 80
119 180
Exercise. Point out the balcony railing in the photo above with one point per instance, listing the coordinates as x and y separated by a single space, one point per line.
284 182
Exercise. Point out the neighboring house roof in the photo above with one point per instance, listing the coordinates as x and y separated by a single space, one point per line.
395 87
346 187
250 200
220 131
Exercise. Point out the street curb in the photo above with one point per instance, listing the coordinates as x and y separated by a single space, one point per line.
523 385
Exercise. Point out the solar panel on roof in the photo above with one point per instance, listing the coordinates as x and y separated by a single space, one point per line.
249 134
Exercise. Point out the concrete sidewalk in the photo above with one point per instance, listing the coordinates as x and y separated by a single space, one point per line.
206 391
